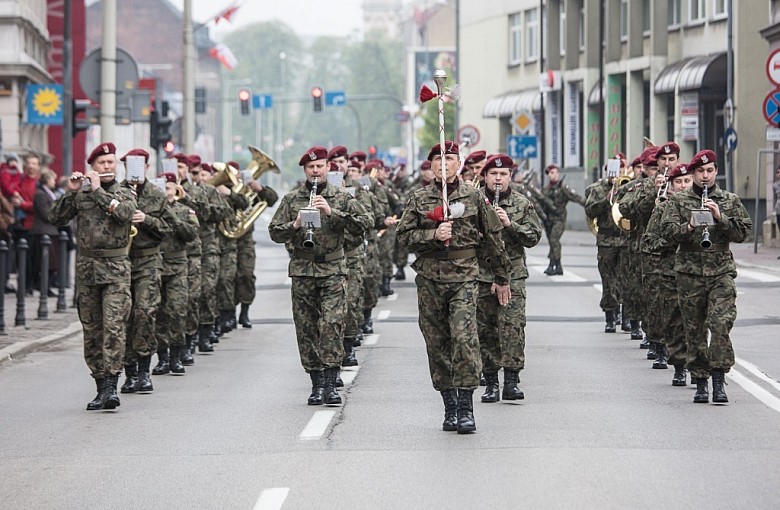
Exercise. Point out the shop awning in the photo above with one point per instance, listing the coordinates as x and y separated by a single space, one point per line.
593 97
693 73
509 103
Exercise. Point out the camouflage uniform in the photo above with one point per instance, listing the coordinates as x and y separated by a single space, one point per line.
218 210
502 328
630 199
195 199
319 274
371 268
560 195
102 270
705 278
245 255
228 261
446 280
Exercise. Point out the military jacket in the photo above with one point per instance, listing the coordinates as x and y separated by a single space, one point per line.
559 195
196 200
218 210
734 227
597 205
524 231
655 245
184 228
478 225
537 198
102 224
363 196
347 215
637 205
155 227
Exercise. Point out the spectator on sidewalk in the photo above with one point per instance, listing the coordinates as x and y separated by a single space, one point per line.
10 175
42 200
22 199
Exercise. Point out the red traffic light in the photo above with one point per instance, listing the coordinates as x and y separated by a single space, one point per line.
244 94
316 92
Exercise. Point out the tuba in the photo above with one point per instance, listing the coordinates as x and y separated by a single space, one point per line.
621 221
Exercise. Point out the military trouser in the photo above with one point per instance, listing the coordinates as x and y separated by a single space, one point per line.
633 293
708 301
385 246
193 294
141 336
245 269
173 310
608 258
104 311
400 254
501 329
671 320
226 281
448 322
319 309
354 296
623 273
652 268
207 302
371 274
554 231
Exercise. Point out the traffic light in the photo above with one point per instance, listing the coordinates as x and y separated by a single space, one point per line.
244 96
78 121
200 99
372 151
316 98
160 127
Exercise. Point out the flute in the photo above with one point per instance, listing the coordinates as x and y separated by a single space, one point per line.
82 176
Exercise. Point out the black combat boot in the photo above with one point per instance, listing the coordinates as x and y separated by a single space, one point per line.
230 320
550 267
186 355
98 401
511 391
702 395
175 360
625 322
661 357
339 381
384 289
144 378
358 338
315 399
466 424
243 317
491 388
645 343
718 391
163 363
557 268
450 398
131 378
652 349
204 339
110 399
482 381
609 327
636 333
368 323
679 376
400 274
349 354
330 395
217 329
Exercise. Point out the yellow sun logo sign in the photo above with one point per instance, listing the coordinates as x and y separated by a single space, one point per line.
46 102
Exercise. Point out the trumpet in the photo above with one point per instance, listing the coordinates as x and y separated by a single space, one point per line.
705 235
306 217
664 189
179 193
497 196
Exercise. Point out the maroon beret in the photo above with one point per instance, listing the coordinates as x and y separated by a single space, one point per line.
333 167
313 154
498 161
136 152
476 157
637 161
169 177
667 148
620 155
702 158
425 165
182 158
358 156
450 147
338 152
679 170
377 163
648 156
207 168
194 159
234 164
100 150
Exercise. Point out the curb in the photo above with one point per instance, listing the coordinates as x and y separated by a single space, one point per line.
19 349
749 265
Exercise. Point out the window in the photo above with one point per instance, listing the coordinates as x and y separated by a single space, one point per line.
646 17
623 20
719 9
674 13
532 35
581 29
563 29
515 39
696 11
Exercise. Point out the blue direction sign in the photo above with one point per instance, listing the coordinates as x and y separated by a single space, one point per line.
521 146
335 98
730 139
262 101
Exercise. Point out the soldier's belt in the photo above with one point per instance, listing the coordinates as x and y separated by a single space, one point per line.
174 255
698 248
145 252
354 252
325 257
104 254
449 254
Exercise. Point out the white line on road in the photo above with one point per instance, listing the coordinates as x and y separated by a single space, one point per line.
317 425
288 282
598 287
565 277
753 369
383 314
272 499
370 339
756 275
754 389
392 297
348 375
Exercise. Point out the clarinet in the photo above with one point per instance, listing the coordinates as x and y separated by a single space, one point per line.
308 240
705 235
497 196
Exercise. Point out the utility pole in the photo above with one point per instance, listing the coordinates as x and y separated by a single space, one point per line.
67 94
108 72
188 124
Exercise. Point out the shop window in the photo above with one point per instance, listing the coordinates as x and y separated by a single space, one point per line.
697 10
515 39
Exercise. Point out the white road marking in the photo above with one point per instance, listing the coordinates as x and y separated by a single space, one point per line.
348 374
272 499
757 275
598 287
288 282
536 261
370 339
317 425
383 315
567 276
753 369
392 297
754 389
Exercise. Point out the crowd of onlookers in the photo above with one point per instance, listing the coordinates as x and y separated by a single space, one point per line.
27 190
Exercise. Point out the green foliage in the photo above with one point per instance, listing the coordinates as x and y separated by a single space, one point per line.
428 136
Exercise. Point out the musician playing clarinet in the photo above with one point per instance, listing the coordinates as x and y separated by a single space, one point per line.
104 211
703 221
312 221
502 328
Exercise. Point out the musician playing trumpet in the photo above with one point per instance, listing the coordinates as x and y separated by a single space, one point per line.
705 276
318 268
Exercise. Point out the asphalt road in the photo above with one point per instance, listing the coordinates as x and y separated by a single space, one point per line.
598 428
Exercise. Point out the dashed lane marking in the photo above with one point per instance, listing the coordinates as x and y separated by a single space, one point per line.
754 389
383 315
272 499
348 375
317 425
753 369
370 339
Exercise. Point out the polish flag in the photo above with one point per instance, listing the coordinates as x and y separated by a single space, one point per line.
226 14
224 55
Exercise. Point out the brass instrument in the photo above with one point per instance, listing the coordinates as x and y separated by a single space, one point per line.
705 235
133 233
497 196
663 190
179 193
307 217
621 221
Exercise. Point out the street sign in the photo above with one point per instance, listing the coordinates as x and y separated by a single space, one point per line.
521 147
126 76
772 134
44 104
523 122
262 101
335 98
468 135
730 139
772 107
773 67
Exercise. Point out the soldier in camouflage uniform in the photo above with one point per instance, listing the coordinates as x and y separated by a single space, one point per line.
472 168
319 272
502 328
705 275
172 315
447 289
105 211
387 236
560 195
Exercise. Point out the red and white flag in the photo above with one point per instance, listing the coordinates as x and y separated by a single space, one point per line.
227 13
224 55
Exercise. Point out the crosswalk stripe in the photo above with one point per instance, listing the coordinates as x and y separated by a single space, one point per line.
272 499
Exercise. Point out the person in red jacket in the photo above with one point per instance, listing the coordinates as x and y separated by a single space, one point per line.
22 199
10 175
